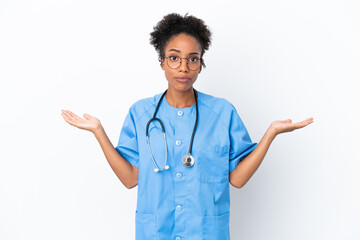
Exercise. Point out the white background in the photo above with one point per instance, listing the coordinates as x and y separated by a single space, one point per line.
272 59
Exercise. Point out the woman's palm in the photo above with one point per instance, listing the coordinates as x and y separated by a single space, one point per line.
288 126
90 123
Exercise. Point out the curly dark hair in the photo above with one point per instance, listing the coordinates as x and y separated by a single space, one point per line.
174 24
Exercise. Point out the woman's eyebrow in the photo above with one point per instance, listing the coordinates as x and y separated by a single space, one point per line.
175 50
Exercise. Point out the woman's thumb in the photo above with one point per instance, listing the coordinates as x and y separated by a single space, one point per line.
87 116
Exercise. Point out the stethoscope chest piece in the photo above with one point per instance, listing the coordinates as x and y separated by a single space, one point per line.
188 160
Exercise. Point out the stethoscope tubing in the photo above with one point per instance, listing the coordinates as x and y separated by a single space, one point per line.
163 130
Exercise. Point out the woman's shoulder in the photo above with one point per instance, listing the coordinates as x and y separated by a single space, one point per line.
142 105
144 102
217 104
217 107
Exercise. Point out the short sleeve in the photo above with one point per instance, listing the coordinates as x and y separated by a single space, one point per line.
240 141
128 145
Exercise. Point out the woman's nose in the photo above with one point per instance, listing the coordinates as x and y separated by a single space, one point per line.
183 65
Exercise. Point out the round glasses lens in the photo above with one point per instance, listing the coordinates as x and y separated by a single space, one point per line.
173 62
193 63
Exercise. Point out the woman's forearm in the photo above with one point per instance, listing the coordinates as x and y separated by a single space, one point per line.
122 168
247 167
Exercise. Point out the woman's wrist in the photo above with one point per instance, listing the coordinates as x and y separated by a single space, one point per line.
272 131
98 130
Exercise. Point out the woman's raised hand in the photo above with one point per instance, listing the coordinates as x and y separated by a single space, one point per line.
90 123
288 126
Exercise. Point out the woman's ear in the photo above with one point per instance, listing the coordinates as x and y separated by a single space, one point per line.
162 63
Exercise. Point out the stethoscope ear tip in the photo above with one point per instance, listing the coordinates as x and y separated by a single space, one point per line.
156 170
167 167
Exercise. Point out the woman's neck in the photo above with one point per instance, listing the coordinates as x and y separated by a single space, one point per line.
180 99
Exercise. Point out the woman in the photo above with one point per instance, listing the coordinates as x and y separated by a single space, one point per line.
183 176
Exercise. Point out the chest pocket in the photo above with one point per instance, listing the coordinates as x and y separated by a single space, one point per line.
213 163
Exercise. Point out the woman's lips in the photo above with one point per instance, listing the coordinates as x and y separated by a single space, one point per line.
183 80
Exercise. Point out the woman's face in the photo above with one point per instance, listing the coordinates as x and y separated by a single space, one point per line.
181 46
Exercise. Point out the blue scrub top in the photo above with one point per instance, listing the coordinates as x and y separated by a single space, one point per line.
182 202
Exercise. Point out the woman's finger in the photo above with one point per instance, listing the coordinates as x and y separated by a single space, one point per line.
75 122
87 116
74 116
68 115
304 123
68 119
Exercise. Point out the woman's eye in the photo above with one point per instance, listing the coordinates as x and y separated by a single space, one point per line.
194 59
173 58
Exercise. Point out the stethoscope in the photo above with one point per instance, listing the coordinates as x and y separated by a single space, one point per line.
187 159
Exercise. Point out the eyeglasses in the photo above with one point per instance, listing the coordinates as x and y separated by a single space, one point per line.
193 63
